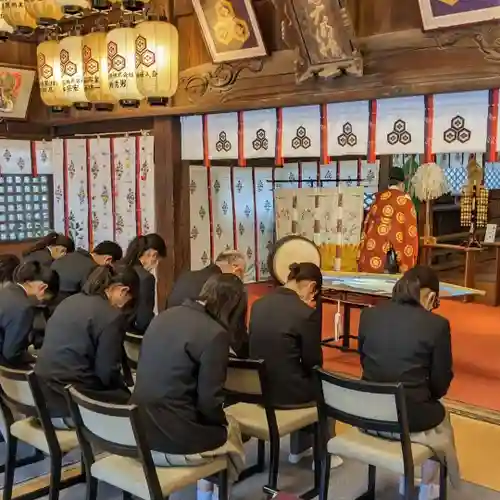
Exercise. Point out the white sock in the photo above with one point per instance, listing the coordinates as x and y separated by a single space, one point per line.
428 492
204 495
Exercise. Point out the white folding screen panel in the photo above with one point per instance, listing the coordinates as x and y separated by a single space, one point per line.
400 126
460 122
78 208
328 175
286 177
222 209
222 136
348 173
370 176
348 128
192 137
57 146
199 215
264 203
301 135
101 190
309 174
259 133
123 165
147 184
43 157
245 217
15 157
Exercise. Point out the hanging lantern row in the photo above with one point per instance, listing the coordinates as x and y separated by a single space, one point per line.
125 65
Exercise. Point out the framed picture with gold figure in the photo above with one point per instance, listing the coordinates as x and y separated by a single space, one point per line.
449 13
230 29
15 92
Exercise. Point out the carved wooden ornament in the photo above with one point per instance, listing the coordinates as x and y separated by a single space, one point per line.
321 32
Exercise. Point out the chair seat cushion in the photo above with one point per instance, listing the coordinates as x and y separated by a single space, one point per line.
376 451
127 474
29 430
253 421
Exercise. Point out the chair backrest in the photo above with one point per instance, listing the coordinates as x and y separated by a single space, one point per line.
16 390
245 380
367 405
132 345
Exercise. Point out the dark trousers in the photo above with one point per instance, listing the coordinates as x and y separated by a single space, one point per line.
302 440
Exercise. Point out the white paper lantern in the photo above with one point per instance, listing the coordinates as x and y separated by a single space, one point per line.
5 27
95 71
72 7
15 13
46 12
49 75
71 59
121 67
157 60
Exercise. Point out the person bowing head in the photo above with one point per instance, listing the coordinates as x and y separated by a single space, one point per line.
49 248
83 340
144 254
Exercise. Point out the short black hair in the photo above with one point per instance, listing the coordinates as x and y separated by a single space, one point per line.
109 248
141 244
407 288
52 239
306 271
396 175
34 271
8 264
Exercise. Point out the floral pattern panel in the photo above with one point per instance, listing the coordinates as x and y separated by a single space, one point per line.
147 183
77 195
222 209
123 167
199 216
100 191
265 218
15 157
57 149
43 157
328 175
244 206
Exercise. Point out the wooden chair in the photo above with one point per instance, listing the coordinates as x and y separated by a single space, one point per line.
117 429
247 392
22 393
132 346
375 408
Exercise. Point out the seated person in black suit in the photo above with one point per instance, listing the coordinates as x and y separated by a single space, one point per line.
185 352
144 254
49 248
285 331
83 341
74 268
18 301
189 286
8 264
419 356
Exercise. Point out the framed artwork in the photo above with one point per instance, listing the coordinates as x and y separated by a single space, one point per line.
230 29
15 92
449 13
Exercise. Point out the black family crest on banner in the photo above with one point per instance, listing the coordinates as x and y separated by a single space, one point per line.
399 134
457 131
347 137
223 144
301 139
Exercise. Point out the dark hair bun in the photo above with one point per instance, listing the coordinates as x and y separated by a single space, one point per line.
294 270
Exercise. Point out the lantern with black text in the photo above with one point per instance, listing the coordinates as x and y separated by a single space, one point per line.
95 71
157 60
5 27
72 7
46 12
121 66
132 5
15 13
71 59
49 75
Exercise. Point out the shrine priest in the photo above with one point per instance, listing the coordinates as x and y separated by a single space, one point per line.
389 240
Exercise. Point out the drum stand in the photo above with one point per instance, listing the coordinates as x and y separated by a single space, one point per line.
345 337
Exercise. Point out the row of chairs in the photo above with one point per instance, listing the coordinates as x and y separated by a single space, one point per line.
117 431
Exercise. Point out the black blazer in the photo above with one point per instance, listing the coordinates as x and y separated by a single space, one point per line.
286 334
144 309
189 286
83 347
44 257
180 377
17 313
406 343
73 269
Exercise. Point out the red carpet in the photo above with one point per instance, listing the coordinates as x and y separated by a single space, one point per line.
475 331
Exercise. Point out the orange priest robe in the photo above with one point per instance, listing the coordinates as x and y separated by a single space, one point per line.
392 219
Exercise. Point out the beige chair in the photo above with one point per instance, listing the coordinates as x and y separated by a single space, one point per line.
372 408
132 345
248 399
20 392
117 429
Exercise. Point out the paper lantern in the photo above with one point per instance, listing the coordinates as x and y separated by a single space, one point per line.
121 66
46 12
157 60
5 27
49 75
95 71
71 59
72 7
132 5
15 13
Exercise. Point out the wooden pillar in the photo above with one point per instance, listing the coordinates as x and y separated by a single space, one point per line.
383 174
171 195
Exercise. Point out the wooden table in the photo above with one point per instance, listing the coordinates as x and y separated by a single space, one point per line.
470 260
